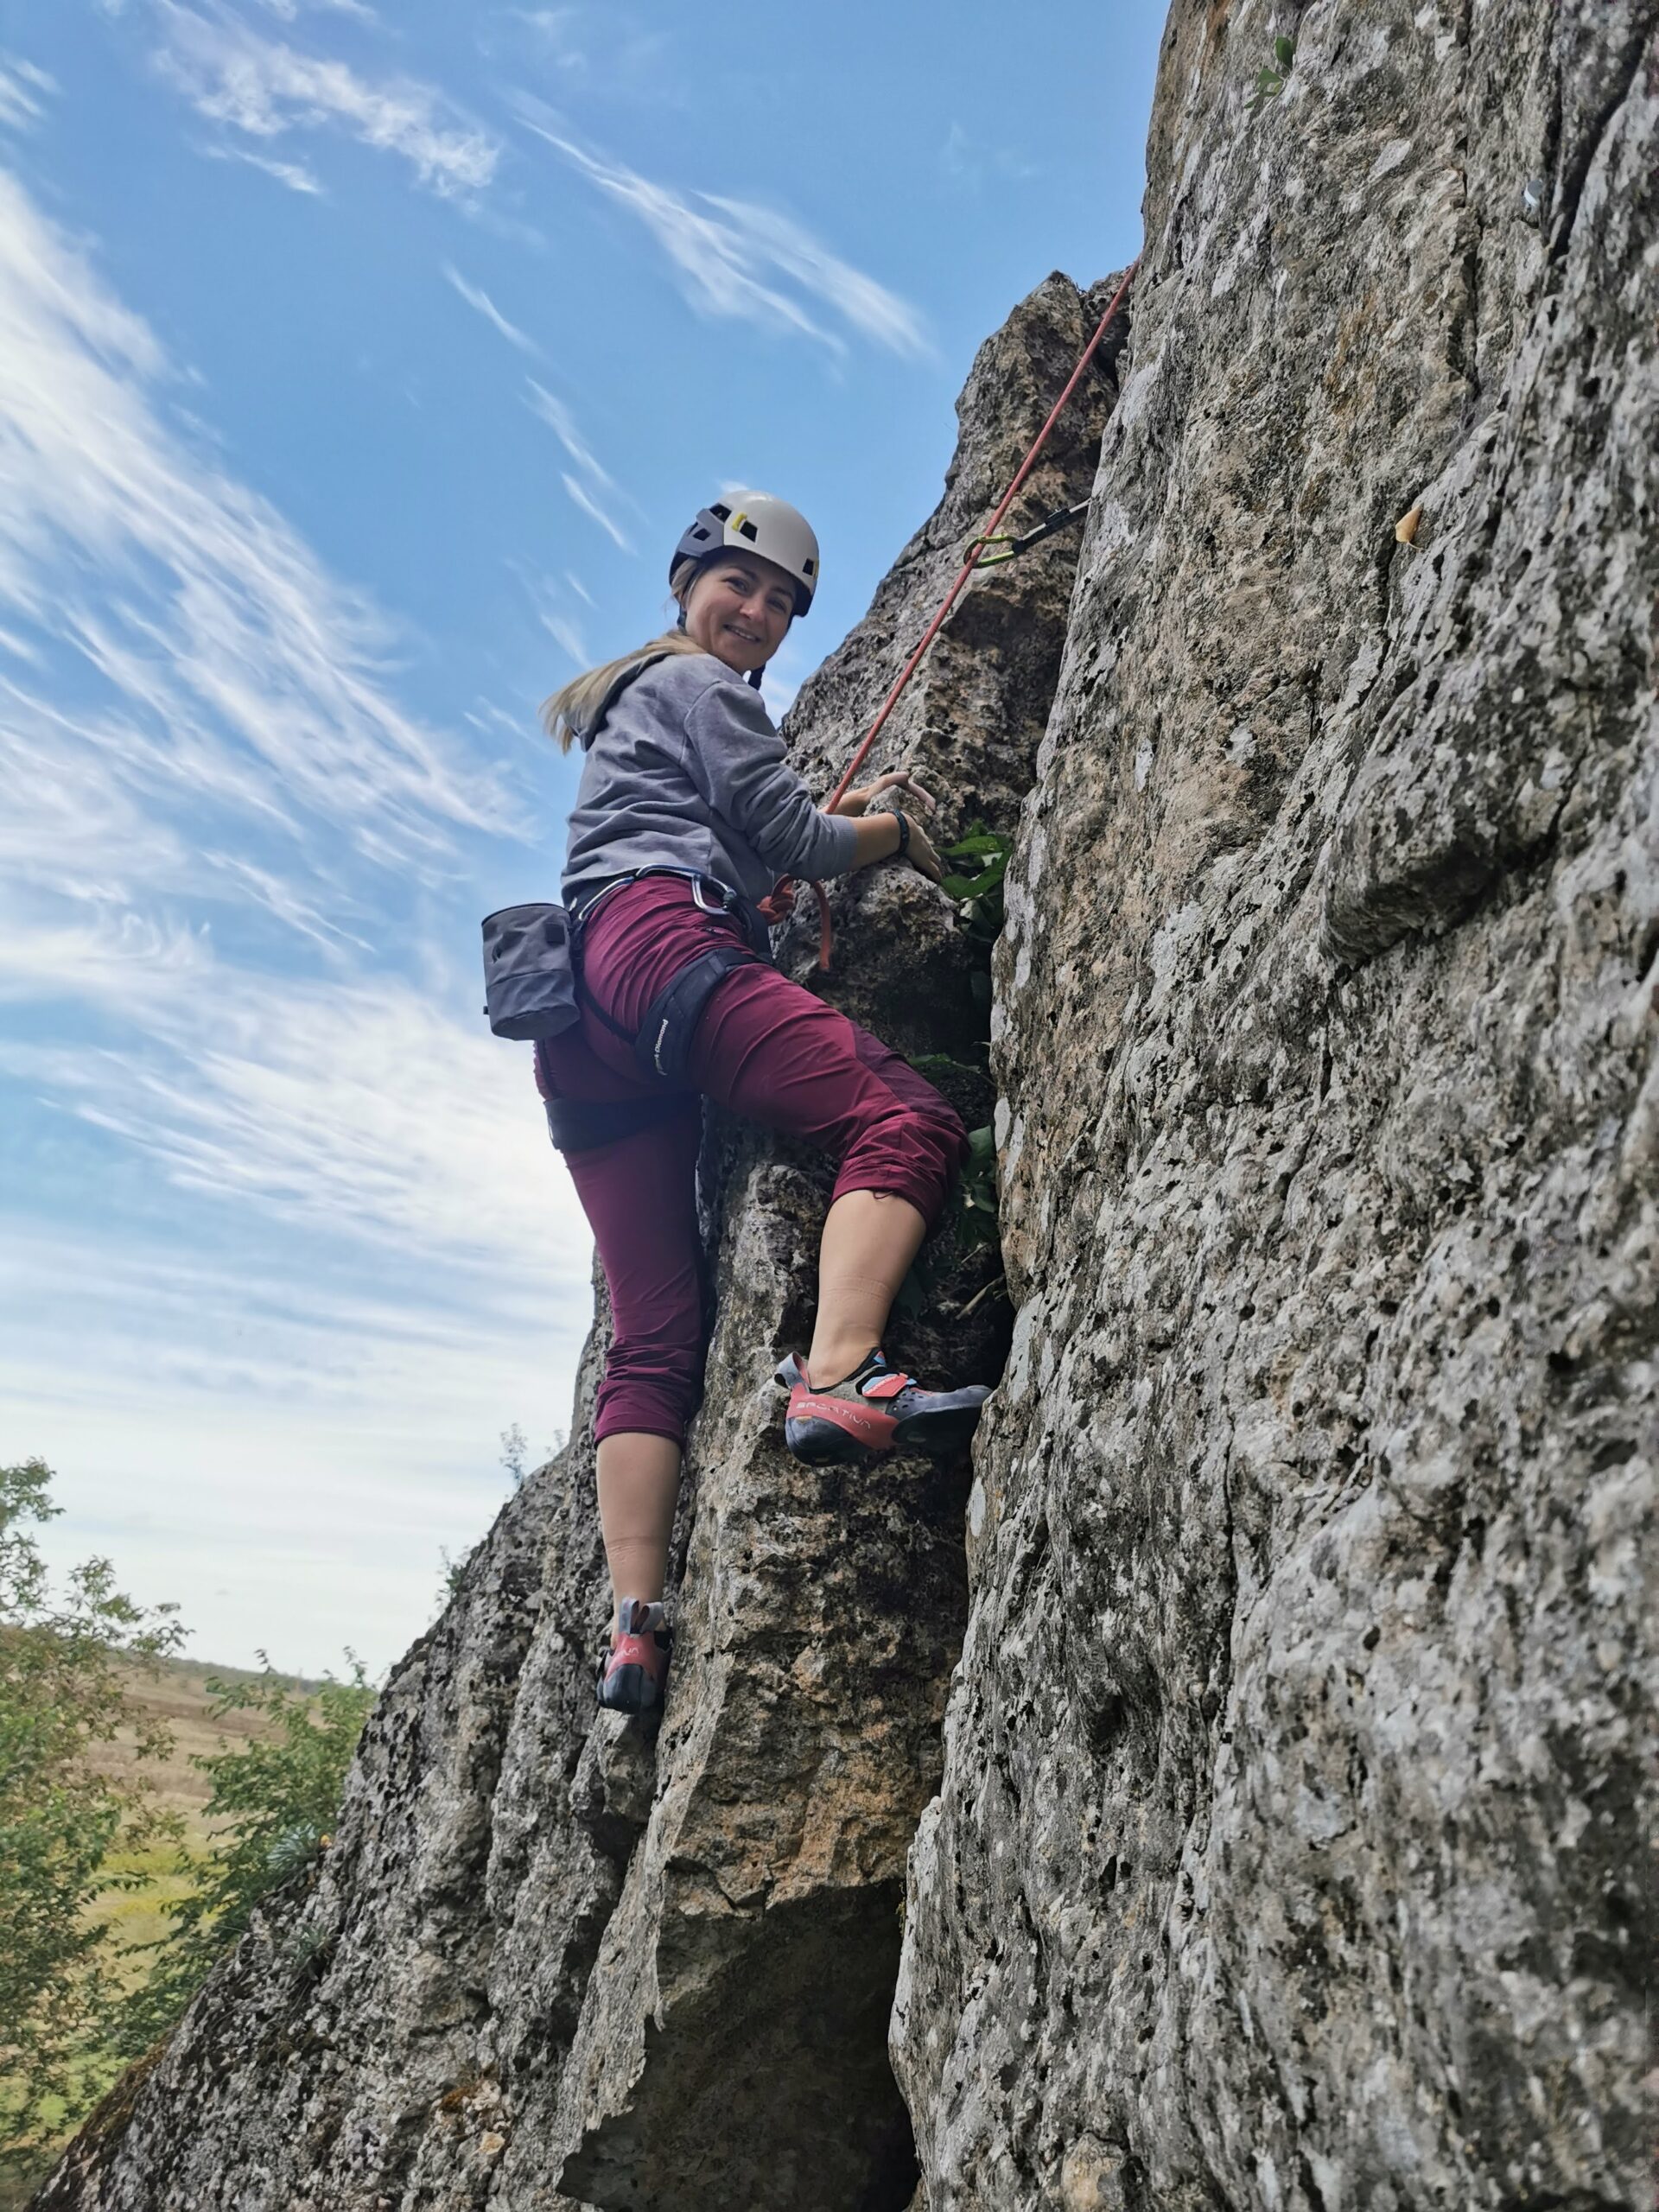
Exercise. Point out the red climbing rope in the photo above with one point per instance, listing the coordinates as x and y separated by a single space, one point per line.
825 941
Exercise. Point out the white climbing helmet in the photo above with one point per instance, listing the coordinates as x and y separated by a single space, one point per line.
753 522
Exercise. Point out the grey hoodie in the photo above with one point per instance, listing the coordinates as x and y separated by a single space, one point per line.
685 769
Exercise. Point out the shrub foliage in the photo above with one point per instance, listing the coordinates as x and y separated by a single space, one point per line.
62 1692
273 1802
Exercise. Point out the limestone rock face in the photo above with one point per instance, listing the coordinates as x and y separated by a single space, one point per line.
1290 1850
548 1962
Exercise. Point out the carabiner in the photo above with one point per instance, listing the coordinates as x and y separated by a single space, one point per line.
983 560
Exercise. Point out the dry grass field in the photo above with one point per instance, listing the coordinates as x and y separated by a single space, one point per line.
175 1694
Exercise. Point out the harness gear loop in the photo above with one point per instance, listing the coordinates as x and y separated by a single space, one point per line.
988 535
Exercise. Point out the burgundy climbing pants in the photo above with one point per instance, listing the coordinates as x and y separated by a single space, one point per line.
767 1049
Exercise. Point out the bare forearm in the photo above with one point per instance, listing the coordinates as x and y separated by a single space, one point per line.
876 838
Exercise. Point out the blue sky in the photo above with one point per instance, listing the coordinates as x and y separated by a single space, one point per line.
358 366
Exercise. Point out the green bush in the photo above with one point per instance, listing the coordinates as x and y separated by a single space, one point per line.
277 1800
61 1824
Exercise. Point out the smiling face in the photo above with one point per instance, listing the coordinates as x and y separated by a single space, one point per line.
739 608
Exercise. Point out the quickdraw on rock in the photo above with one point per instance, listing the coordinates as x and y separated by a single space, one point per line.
782 898
1012 546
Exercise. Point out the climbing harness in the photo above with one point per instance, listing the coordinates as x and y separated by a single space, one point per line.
782 892
533 989
662 1043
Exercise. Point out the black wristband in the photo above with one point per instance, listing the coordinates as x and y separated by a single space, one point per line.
904 833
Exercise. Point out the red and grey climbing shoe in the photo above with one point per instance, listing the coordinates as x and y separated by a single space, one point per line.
634 1672
876 1408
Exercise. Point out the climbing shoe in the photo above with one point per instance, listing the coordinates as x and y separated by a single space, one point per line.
877 1407
634 1671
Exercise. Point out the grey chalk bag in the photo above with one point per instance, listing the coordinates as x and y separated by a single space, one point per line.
530 979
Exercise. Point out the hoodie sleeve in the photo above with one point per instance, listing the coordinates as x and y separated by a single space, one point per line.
735 758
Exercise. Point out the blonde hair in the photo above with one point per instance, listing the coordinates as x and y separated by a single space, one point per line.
576 706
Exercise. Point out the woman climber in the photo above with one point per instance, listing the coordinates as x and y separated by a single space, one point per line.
685 815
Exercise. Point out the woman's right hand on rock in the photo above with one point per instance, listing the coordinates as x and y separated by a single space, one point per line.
921 854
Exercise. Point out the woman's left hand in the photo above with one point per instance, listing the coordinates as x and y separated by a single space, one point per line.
896 780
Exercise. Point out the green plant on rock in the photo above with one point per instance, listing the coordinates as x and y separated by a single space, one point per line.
978 886
1270 79
977 1191
979 865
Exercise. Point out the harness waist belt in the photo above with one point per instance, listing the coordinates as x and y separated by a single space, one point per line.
728 901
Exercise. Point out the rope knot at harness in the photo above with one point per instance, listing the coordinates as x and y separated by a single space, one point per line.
780 902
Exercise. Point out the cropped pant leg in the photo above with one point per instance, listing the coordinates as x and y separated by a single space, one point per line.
773 1052
768 1050
640 1195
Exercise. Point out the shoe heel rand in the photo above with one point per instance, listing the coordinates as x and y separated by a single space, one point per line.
867 1421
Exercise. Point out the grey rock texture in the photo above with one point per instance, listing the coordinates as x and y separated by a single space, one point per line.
1284 1850
549 1962
1291 1851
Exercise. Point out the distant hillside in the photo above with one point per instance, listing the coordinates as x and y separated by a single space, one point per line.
175 1693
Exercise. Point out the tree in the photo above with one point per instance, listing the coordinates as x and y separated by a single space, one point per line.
61 1692
277 1799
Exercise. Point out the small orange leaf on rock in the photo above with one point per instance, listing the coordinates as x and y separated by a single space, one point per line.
1406 529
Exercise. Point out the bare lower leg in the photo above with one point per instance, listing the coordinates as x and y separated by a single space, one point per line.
638 1482
870 1238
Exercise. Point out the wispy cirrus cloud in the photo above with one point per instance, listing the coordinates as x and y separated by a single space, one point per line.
482 303
252 84
597 497
290 10
583 497
239 675
363 1105
970 161
294 174
221 840
565 633
562 424
718 245
761 234
20 83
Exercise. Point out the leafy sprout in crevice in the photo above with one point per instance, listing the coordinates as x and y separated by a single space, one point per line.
976 883
1270 79
979 863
